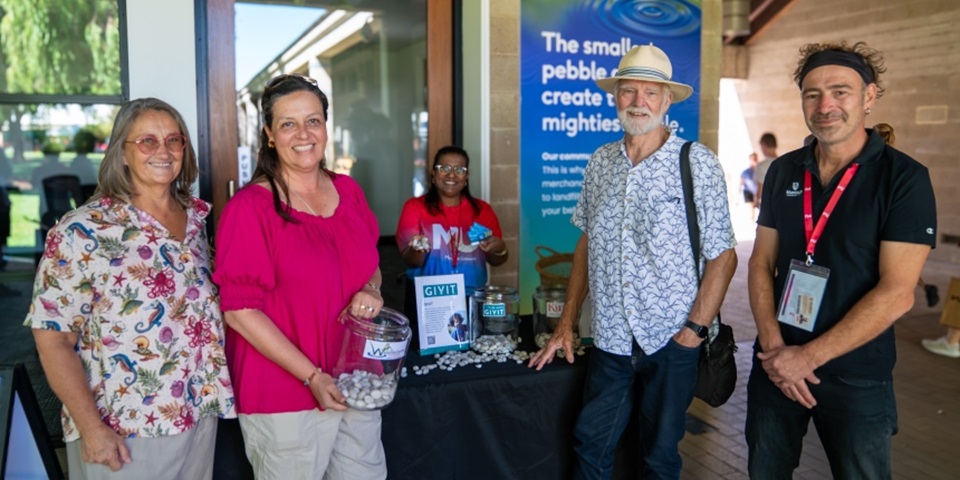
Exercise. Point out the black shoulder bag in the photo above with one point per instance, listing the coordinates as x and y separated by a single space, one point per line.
717 376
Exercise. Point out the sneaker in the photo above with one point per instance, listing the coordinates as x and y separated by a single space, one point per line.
933 294
940 346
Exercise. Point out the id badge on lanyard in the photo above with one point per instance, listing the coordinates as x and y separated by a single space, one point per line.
802 295
806 282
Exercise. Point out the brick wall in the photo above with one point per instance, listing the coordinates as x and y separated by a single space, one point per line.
921 45
505 130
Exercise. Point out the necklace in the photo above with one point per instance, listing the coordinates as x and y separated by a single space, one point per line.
305 203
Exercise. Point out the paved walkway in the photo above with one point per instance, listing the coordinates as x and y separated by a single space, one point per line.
927 388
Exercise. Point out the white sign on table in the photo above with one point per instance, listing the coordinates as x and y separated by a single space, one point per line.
442 313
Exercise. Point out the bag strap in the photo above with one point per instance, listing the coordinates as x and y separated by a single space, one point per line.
693 229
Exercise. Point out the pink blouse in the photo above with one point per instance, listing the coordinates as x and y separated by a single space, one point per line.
301 275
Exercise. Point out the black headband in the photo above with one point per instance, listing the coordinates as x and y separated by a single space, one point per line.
837 57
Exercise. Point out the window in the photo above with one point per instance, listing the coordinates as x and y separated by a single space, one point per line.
62 77
371 64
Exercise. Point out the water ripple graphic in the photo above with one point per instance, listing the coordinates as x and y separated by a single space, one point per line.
649 18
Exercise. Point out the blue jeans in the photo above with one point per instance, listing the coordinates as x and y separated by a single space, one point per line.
660 386
855 419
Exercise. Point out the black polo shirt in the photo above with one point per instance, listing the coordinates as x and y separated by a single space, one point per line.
890 198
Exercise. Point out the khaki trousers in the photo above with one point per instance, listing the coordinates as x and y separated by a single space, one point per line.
188 455
312 444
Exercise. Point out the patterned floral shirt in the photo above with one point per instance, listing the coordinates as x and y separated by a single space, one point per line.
150 331
642 278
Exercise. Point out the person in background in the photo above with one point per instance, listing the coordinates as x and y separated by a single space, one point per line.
749 187
296 248
768 147
125 314
432 230
650 314
947 345
83 143
871 222
932 293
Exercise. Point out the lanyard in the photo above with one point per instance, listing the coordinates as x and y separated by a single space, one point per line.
456 248
813 233
456 238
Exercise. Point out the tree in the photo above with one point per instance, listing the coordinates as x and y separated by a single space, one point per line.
60 47
56 47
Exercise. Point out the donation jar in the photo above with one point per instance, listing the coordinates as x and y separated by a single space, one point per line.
371 358
548 303
495 310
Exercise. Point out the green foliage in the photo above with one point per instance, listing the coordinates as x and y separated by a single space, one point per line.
68 47
149 383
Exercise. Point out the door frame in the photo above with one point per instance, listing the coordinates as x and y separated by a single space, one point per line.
217 139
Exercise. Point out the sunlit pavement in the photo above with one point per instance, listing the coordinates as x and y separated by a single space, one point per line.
927 388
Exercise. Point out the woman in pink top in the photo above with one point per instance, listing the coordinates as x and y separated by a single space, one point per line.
296 248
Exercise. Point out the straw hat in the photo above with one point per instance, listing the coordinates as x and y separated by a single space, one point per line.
650 64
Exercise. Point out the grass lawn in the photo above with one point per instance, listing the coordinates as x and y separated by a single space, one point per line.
25 208
24 219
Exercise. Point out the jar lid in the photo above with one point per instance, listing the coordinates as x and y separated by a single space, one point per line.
491 293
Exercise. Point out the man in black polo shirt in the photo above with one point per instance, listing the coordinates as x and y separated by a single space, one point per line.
825 290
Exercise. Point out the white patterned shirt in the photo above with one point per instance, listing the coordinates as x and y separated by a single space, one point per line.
147 315
642 280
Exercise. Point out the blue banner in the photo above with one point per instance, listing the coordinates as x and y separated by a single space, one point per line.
565 45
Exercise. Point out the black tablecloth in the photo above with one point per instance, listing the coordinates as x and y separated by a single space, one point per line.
500 421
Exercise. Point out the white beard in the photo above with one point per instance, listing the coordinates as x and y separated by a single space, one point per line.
639 126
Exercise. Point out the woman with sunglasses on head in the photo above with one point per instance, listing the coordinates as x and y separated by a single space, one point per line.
125 314
295 249
433 231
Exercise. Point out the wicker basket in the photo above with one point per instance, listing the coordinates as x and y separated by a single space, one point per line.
554 267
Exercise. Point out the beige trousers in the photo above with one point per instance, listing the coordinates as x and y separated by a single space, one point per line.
312 444
187 455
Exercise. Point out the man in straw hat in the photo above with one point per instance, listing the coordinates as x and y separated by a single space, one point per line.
649 314
845 226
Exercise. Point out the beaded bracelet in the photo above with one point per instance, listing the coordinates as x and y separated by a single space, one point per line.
373 286
306 381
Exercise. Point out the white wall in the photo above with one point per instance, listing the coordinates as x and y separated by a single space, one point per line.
161 41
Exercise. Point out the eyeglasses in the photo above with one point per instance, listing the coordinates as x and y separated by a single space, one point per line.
149 144
446 169
287 76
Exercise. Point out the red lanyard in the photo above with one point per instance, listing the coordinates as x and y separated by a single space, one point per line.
456 238
456 248
813 234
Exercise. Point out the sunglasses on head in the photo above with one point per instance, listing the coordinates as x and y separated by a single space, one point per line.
288 76
149 144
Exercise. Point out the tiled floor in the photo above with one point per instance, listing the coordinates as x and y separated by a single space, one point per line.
927 386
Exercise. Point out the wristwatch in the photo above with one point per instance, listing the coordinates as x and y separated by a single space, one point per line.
700 330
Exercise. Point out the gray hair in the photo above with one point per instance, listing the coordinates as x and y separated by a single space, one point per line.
114 178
